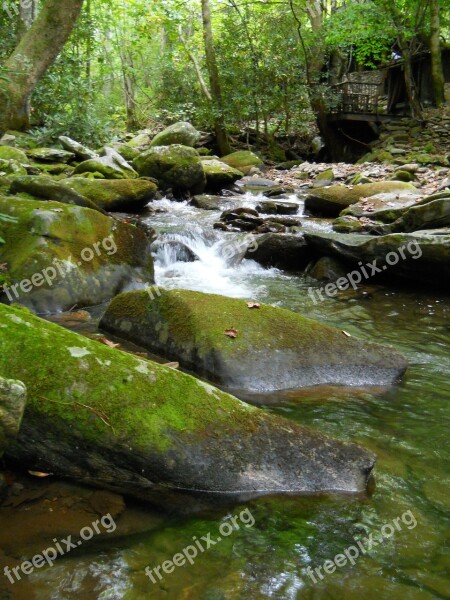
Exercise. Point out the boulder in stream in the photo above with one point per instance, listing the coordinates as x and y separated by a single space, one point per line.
114 420
329 202
57 256
13 399
238 347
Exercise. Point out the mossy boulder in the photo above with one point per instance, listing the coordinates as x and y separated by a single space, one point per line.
178 133
324 179
11 167
130 195
114 420
269 348
218 174
243 161
426 254
111 166
52 155
433 214
175 167
58 256
125 150
210 202
13 399
10 153
46 188
331 201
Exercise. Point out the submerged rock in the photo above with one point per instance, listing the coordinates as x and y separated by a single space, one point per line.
422 256
288 251
59 255
179 133
13 398
111 419
175 167
115 194
273 348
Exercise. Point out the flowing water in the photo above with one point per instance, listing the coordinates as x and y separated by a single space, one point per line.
406 426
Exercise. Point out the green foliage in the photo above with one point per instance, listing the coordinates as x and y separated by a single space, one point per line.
6 219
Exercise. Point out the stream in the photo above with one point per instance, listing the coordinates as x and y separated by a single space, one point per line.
405 426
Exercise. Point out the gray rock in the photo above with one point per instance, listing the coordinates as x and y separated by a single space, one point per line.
52 155
289 252
81 152
13 399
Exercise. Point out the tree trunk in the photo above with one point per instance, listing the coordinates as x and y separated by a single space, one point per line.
437 72
216 92
410 84
27 14
35 53
129 87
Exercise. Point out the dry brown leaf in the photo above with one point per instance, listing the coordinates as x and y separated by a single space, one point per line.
232 333
39 474
107 342
172 365
253 305
3 266
345 333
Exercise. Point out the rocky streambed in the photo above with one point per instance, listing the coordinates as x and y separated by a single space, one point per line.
272 245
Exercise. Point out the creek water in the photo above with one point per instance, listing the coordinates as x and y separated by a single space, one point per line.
406 426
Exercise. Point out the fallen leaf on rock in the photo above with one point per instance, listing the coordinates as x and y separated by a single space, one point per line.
232 333
346 334
39 474
107 342
3 266
172 365
253 305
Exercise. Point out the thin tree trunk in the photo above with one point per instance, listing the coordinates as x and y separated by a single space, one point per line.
216 91
27 14
437 72
35 53
194 61
129 87
410 84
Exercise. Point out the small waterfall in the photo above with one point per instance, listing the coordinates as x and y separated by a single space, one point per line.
190 254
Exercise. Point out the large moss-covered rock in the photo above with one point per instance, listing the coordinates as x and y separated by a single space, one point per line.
46 188
111 166
426 254
218 174
331 201
271 348
178 133
10 153
52 155
58 256
13 398
118 421
175 167
243 160
11 167
114 194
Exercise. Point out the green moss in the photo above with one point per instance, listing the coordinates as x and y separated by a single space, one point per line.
76 379
9 153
